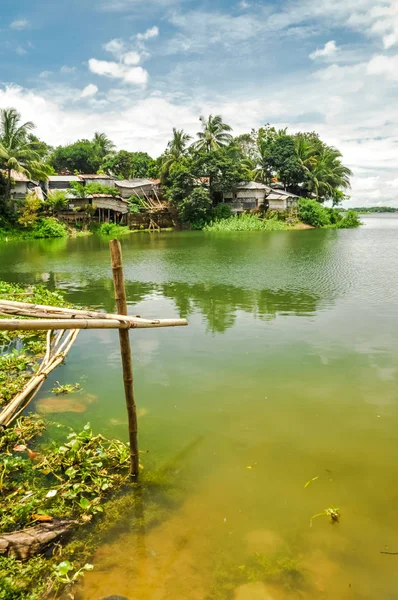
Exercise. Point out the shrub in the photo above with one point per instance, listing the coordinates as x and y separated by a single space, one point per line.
112 229
350 220
57 200
195 209
313 213
222 211
49 228
29 213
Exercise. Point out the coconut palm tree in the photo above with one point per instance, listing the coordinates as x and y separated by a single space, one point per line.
103 146
17 150
176 148
214 135
328 174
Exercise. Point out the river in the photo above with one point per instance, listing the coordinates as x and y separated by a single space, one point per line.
287 373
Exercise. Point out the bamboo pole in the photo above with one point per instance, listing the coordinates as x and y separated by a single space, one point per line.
21 400
46 324
41 311
127 362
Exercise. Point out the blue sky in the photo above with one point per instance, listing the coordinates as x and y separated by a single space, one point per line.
136 69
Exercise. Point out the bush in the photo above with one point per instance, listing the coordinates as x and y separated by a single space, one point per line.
49 228
112 229
313 213
29 213
222 211
246 222
350 220
196 208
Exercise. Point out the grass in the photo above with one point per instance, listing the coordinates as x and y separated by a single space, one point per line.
246 222
111 229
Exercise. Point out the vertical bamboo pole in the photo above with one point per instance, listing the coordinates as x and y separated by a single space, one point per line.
125 349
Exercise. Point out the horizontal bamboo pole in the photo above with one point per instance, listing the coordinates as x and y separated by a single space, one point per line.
46 324
24 309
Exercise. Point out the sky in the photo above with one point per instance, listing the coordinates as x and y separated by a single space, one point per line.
135 69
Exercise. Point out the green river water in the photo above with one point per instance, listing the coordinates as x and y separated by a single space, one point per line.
287 372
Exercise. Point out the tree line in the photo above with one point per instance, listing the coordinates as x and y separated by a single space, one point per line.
194 171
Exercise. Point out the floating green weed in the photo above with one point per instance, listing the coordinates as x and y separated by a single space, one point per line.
67 388
331 512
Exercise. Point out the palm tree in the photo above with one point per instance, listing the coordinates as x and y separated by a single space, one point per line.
176 148
17 150
103 145
214 135
328 174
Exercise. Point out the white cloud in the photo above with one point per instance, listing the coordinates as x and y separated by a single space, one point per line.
19 24
328 50
45 74
66 70
125 5
131 58
115 46
149 33
131 75
21 50
384 65
89 91
393 184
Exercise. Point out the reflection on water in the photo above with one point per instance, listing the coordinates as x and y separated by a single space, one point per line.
287 372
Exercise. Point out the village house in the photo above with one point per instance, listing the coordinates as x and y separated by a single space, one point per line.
141 188
106 207
280 199
250 195
22 185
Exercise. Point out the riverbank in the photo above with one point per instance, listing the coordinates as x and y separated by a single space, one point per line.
51 228
44 497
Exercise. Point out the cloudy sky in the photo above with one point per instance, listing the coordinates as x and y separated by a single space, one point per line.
136 68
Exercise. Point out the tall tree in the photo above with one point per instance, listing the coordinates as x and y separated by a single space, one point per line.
329 176
103 145
130 165
18 151
176 148
78 157
214 135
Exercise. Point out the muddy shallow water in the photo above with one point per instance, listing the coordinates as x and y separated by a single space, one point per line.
287 372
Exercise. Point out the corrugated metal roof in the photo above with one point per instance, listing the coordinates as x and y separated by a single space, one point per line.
95 176
133 183
251 185
280 195
16 176
65 178
109 196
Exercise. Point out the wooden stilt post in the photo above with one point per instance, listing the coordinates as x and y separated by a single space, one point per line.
127 362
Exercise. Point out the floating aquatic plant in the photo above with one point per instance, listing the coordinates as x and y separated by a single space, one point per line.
331 512
67 388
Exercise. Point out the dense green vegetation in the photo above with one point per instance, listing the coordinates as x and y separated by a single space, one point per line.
195 173
246 222
376 209
314 214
